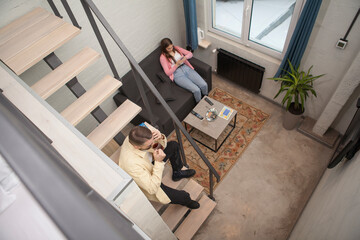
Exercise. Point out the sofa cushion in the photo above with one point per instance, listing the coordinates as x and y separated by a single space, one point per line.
181 107
151 66
183 104
163 77
166 91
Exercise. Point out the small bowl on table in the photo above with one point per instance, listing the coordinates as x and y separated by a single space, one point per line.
211 114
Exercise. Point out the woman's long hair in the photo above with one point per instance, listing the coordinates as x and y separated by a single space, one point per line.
164 44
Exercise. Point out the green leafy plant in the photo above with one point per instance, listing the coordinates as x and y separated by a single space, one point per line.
297 85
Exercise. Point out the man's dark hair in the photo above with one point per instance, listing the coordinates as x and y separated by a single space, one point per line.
139 135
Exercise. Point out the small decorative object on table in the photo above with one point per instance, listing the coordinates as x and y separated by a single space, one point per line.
211 114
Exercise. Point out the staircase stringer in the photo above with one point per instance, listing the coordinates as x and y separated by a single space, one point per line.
77 150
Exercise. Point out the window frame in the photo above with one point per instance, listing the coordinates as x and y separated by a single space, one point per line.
245 31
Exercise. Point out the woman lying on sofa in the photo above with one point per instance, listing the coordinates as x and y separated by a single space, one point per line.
174 61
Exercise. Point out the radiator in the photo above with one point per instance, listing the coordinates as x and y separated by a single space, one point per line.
243 72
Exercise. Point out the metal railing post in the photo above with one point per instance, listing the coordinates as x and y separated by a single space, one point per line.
182 153
54 9
100 39
70 13
211 195
143 95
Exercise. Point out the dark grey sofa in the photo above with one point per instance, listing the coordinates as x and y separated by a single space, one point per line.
184 100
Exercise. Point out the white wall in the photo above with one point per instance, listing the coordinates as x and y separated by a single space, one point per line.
333 20
333 211
346 114
332 23
140 25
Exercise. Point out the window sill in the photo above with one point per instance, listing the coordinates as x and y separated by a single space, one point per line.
204 44
213 37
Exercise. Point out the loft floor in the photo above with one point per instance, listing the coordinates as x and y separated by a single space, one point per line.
264 193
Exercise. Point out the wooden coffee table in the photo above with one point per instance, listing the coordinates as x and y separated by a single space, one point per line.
213 129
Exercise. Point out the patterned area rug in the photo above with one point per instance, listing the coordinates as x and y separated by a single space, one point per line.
249 122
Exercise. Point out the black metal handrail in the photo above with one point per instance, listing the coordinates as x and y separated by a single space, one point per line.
139 75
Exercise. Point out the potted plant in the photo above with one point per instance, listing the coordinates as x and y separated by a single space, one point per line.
297 85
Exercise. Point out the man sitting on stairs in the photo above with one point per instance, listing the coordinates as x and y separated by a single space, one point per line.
143 158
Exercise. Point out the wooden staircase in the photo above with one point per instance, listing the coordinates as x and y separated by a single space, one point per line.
183 221
32 37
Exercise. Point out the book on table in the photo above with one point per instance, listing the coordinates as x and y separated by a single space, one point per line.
226 112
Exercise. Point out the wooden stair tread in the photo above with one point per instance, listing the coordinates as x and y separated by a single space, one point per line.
167 177
114 123
65 72
79 109
29 36
157 205
40 49
115 156
174 213
110 148
22 23
195 219
167 180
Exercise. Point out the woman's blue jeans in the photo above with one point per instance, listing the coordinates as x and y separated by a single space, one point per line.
188 78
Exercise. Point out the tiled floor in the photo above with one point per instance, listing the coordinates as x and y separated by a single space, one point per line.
265 192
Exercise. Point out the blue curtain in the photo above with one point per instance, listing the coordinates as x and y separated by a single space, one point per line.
300 36
191 24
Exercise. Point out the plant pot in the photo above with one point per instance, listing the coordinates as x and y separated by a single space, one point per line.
292 117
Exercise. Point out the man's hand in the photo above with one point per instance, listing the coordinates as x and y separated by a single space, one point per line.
159 155
156 134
